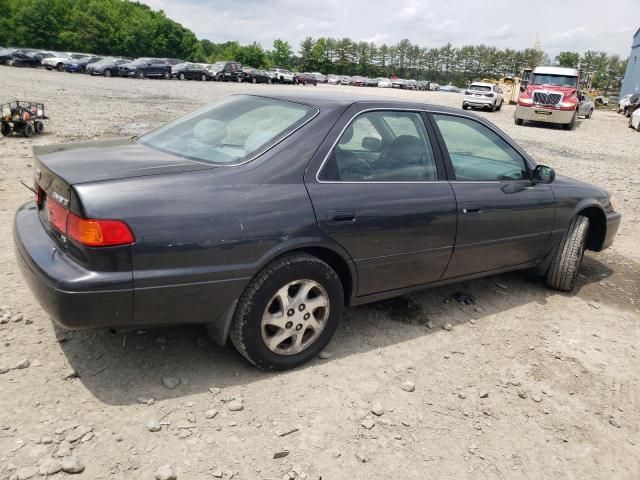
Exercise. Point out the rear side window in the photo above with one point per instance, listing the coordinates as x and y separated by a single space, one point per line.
477 153
231 131
391 146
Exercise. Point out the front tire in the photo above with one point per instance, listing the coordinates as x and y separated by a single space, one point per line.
563 271
6 129
519 121
500 105
38 126
465 106
288 312
181 76
107 72
28 130
571 125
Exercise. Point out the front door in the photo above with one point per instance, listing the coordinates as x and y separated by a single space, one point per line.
504 219
382 196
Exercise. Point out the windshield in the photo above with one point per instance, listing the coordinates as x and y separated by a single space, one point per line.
230 131
140 61
549 79
218 65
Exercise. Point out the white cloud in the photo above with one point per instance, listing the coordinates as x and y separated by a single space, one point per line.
430 23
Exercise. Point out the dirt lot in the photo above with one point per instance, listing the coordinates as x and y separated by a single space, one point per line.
528 383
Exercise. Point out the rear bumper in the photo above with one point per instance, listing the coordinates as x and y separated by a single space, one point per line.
536 114
73 296
478 101
613 223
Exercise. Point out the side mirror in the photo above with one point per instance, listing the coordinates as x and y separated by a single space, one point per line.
371 144
543 174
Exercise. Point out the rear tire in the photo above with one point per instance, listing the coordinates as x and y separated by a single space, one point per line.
589 114
567 258
28 130
38 126
260 308
107 72
181 76
203 77
60 67
465 107
500 106
6 129
519 121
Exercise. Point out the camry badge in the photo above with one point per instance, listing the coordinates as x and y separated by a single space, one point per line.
60 199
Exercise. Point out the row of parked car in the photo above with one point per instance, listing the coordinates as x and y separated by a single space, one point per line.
629 105
148 67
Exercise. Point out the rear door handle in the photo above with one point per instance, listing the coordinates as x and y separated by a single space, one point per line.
469 208
341 216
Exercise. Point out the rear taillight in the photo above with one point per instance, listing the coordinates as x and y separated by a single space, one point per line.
488 95
90 232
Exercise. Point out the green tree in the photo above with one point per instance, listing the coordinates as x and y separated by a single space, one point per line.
568 59
281 55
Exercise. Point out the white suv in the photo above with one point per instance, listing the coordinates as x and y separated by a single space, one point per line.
483 95
282 75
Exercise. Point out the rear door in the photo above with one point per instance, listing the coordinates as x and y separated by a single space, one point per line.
504 219
381 194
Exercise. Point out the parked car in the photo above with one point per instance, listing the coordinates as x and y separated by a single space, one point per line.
80 65
632 104
107 66
483 95
624 101
6 55
586 106
449 88
358 81
226 71
59 59
384 82
304 78
397 83
191 71
333 79
371 82
634 120
282 75
345 80
313 210
255 75
146 67
26 58
601 100
319 77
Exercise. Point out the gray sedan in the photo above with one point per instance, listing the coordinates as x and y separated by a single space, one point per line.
262 217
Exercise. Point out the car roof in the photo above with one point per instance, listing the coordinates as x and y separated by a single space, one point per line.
330 101
482 84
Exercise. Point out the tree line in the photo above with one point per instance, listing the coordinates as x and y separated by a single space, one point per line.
115 27
121 27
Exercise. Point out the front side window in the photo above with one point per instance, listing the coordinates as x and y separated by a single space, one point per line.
230 131
382 146
477 153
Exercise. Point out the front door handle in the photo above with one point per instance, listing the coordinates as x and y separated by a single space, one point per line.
468 208
341 216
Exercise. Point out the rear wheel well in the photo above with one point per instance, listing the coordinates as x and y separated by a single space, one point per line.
337 263
597 228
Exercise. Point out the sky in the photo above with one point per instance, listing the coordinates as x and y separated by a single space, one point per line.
575 25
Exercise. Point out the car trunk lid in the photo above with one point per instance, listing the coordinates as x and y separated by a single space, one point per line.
98 161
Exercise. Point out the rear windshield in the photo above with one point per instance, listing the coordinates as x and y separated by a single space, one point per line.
560 80
231 131
480 88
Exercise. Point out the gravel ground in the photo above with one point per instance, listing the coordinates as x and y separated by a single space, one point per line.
525 383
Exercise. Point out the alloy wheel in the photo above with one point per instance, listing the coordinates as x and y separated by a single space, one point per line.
295 317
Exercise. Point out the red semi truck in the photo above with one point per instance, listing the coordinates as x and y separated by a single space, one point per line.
551 95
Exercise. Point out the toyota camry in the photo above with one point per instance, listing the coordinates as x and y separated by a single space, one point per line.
262 217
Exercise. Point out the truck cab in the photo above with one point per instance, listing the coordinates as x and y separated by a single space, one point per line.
551 95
